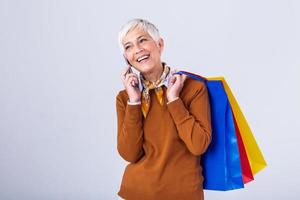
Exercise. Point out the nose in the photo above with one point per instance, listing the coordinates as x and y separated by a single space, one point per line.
138 49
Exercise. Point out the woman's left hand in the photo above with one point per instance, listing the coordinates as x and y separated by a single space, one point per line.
176 83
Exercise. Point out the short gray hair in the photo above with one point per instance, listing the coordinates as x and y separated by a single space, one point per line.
141 24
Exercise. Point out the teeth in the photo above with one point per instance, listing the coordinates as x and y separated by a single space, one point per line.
142 58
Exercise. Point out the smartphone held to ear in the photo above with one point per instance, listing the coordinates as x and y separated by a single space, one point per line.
133 83
128 63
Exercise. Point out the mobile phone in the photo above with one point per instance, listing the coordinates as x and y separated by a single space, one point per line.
130 71
128 63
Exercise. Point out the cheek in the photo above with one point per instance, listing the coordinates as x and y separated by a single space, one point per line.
156 49
156 53
128 56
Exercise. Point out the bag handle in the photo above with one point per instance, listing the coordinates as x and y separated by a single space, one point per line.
193 76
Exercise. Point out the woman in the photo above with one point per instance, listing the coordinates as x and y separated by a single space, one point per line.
163 122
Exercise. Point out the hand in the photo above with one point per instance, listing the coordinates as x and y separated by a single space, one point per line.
176 83
131 84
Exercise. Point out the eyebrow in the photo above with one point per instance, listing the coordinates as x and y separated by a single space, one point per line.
136 39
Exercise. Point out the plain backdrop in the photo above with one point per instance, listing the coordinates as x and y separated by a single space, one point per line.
60 68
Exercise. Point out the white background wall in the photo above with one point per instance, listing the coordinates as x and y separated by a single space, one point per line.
59 75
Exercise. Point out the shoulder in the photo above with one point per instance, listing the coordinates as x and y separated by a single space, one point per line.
191 89
191 85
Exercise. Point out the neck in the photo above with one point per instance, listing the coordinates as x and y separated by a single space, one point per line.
154 75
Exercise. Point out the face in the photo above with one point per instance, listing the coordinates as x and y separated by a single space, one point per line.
142 52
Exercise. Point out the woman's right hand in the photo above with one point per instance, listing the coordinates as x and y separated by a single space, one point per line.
131 84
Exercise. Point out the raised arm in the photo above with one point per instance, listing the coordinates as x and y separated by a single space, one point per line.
193 123
130 130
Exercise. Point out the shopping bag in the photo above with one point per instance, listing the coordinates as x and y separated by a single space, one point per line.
245 165
254 154
221 162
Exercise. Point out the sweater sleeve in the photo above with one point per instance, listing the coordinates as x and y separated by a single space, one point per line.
129 130
193 123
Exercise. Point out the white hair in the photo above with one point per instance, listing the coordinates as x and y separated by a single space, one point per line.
141 24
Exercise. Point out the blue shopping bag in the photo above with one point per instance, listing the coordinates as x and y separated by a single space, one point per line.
221 162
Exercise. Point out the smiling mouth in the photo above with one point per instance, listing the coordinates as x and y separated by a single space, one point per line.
143 58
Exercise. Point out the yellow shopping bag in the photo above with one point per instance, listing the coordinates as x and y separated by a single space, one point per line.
255 157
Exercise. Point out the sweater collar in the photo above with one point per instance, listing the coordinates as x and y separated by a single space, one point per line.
165 82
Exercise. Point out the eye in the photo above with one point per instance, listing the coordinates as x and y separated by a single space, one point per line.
127 47
143 40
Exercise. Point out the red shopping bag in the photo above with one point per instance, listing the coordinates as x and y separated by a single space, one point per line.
245 165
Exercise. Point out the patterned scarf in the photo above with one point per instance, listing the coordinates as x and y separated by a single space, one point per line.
157 86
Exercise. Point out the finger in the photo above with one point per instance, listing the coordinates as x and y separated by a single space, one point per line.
134 83
127 79
128 82
123 74
132 80
135 80
130 76
177 77
172 80
125 70
183 78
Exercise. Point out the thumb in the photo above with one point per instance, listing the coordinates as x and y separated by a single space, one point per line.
172 80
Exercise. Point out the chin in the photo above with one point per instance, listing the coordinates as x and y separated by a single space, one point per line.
146 67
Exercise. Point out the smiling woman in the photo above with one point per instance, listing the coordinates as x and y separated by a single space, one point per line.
163 122
143 52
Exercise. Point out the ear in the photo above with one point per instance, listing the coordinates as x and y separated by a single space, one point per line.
161 45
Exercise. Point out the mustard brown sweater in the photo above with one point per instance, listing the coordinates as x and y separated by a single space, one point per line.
163 149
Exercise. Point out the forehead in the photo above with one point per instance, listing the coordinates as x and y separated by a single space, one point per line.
134 34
